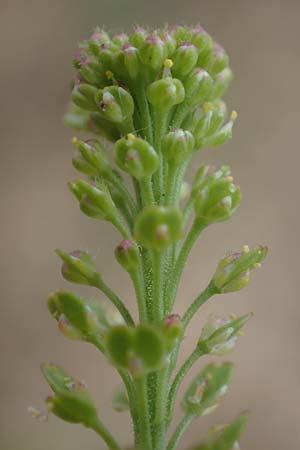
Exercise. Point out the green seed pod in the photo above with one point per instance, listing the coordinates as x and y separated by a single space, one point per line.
93 159
165 93
204 393
216 199
119 342
224 437
185 59
85 318
149 346
157 227
177 146
136 156
83 96
127 255
233 271
72 401
153 52
115 104
95 200
219 336
78 267
197 87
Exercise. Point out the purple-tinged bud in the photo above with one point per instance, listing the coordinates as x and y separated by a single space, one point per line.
201 39
153 52
184 59
78 267
221 83
197 87
138 37
115 104
173 329
218 61
120 39
165 93
181 34
83 96
177 146
127 255
131 60
169 41
233 271
136 156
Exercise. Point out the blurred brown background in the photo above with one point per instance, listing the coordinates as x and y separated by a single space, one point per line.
38 38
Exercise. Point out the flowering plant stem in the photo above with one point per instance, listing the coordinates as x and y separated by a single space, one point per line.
158 98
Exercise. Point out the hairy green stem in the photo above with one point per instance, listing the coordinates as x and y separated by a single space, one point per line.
180 429
117 302
101 429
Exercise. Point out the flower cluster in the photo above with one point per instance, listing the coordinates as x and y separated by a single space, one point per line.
151 100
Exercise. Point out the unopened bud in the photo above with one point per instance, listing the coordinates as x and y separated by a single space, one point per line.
78 267
127 255
185 59
153 52
84 97
177 146
115 104
165 93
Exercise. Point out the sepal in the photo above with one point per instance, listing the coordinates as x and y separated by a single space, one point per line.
78 267
72 401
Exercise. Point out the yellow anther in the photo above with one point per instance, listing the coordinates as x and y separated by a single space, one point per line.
233 316
246 249
241 333
230 179
233 115
168 63
130 137
257 265
109 74
207 107
75 140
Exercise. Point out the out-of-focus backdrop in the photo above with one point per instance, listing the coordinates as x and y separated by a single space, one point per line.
38 38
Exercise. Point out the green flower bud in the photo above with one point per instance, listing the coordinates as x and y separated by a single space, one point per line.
177 146
131 60
127 255
184 59
84 97
233 271
172 329
197 87
138 37
201 39
219 336
98 38
206 174
93 159
72 401
157 227
78 267
218 60
93 73
169 42
221 83
103 127
120 39
136 156
204 393
165 93
77 318
115 104
217 198
182 34
153 52
224 437
95 200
